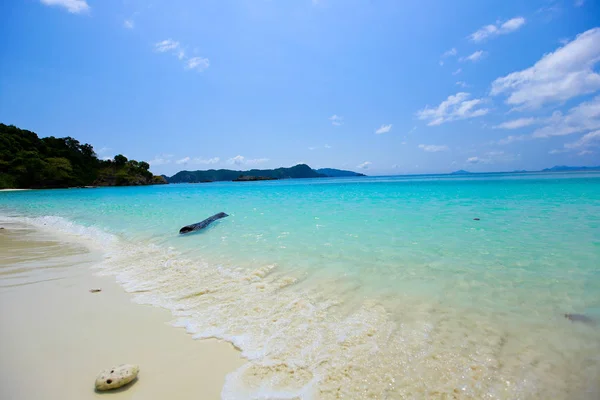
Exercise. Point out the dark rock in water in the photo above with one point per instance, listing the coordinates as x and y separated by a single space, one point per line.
203 224
580 318
476 219
249 178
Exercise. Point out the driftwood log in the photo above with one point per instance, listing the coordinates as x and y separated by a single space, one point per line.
203 224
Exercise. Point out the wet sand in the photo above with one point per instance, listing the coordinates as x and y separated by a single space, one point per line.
56 336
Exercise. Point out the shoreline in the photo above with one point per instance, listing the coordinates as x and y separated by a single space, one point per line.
60 336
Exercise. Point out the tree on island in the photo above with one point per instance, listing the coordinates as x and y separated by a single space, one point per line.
26 161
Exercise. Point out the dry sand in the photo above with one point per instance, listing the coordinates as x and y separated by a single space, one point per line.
56 336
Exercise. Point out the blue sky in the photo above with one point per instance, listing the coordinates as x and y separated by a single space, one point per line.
377 86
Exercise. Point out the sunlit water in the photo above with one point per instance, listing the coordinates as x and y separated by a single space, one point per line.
367 287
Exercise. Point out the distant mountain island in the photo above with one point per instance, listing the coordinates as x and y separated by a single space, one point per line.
560 168
296 172
27 161
337 173
556 168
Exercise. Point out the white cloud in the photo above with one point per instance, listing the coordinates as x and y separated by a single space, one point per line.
557 151
364 165
183 160
336 120
450 53
129 24
240 160
516 123
73 6
559 76
455 107
161 160
581 118
213 160
498 28
493 157
383 129
476 160
512 139
584 152
591 139
432 148
256 161
476 56
458 71
166 45
579 3
237 160
327 146
462 84
197 63
414 128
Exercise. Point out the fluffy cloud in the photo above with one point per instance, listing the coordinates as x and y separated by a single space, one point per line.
516 123
196 63
241 160
455 107
566 73
184 160
450 53
581 118
591 139
129 24
364 165
213 160
72 6
383 129
476 56
582 145
161 160
166 45
458 71
462 84
336 120
512 139
476 160
432 148
492 157
499 28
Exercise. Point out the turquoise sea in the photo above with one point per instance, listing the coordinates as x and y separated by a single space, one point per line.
379 287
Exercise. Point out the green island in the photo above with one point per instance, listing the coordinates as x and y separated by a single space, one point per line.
27 161
296 172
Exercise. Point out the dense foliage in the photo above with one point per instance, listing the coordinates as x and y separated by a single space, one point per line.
26 161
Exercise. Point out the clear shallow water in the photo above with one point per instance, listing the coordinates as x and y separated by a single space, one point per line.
364 288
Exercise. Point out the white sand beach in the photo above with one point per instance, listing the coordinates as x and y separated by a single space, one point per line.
56 336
